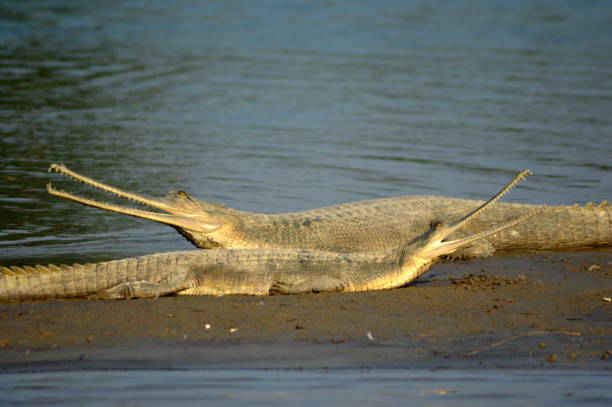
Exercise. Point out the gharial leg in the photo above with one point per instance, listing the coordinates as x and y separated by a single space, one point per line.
313 284
147 289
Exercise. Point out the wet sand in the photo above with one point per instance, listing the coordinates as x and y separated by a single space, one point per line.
527 310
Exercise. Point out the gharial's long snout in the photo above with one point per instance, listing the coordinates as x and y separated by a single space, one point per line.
182 212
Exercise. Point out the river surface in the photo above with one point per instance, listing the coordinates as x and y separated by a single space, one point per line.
289 105
306 388
286 105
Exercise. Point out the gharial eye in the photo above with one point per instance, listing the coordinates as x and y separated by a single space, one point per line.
182 194
436 224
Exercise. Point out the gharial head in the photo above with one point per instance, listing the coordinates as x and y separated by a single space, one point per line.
435 243
202 223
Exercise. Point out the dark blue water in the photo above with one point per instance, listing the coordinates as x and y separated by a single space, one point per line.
306 388
289 105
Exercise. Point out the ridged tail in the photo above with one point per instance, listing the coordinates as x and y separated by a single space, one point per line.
78 280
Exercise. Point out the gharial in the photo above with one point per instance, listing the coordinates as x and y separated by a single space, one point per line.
258 271
370 225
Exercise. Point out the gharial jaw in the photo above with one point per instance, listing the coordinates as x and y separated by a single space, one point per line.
203 223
